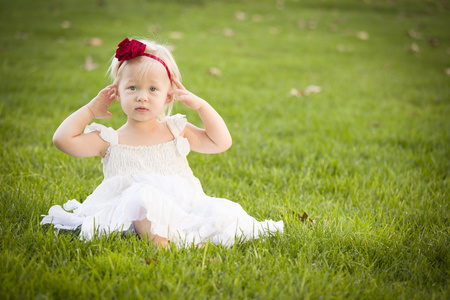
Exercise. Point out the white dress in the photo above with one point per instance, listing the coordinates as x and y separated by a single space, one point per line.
156 182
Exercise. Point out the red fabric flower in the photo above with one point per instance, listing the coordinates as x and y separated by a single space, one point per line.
129 49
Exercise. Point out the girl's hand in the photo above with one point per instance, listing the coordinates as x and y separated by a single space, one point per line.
100 104
187 98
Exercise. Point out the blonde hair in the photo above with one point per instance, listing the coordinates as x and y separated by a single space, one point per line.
153 48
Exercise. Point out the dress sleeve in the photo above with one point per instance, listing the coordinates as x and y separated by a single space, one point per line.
176 123
106 133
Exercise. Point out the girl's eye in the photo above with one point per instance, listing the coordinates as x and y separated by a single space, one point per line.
153 89
132 88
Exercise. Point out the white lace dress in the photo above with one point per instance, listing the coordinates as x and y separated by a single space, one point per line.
156 182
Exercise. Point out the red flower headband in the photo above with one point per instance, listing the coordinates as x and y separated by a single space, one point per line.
130 49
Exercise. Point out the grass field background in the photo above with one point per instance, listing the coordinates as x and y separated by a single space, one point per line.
367 156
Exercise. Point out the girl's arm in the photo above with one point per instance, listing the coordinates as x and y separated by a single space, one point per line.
69 137
215 138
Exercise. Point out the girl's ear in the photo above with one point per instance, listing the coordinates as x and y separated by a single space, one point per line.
169 98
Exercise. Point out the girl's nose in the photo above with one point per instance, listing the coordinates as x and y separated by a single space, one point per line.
142 96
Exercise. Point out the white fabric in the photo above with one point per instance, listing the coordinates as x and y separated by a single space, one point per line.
156 182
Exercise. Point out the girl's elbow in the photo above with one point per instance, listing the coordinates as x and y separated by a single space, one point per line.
226 145
59 141
229 144
56 140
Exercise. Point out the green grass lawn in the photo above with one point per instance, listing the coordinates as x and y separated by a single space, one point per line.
367 156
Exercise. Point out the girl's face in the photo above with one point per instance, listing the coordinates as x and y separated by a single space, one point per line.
143 97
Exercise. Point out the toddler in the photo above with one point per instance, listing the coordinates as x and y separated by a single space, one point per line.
148 186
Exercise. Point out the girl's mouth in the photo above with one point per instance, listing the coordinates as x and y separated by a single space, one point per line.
141 109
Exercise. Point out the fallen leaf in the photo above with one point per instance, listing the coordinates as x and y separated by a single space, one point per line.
280 4
301 24
414 48
312 24
154 28
362 35
312 89
257 18
434 42
296 92
228 32
89 65
94 41
333 27
344 48
240 15
176 35
414 34
274 30
375 124
303 217
447 71
66 24
214 72
149 260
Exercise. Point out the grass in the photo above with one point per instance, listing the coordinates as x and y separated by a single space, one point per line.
367 157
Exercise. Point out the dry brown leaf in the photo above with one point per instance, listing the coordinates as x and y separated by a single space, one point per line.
240 15
274 30
307 24
344 48
434 42
333 27
66 24
257 18
175 35
303 217
414 48
296 92
228 32
312 25
147 261
414 34
280 4
214 72
89 65
362 35
154 28
301 24
94 41
312 89
375 124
